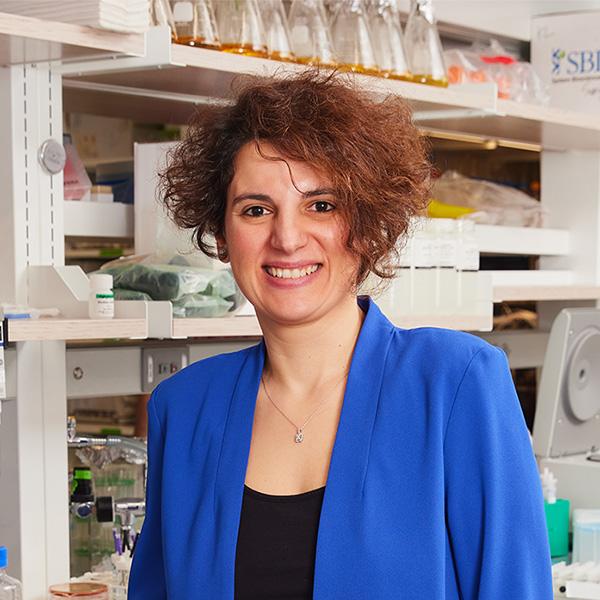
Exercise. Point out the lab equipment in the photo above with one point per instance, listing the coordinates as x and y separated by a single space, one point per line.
195 24
566 429
10 588
423 45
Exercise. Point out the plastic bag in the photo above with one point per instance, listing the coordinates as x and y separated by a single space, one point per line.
494 204
194 291
516 80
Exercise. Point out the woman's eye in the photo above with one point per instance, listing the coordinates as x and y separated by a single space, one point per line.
323 206
256 211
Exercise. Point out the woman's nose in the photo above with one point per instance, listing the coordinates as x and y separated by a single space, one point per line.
289 234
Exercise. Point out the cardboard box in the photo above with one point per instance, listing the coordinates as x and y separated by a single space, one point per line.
565 52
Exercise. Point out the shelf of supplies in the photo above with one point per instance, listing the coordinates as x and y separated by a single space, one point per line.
99 219
238 326
458 322
517 293
170 95
535 241
29 40
23 330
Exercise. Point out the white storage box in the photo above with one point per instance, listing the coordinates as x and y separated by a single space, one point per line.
565 52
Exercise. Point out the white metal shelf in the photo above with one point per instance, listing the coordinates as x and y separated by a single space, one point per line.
98 219
170 94
531 241
29 40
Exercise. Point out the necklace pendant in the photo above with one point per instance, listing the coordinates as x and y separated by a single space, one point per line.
299 437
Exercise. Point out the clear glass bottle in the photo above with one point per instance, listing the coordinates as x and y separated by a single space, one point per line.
423 45
161 14
241 27
386 31
10 588
310 33
279 39
352 40
196 24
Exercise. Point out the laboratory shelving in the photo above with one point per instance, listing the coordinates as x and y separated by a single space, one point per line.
51 67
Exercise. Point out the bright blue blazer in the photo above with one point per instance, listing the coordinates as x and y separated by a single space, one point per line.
433 490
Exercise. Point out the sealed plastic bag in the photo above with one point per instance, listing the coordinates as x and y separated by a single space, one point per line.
494 204
516 80
194 291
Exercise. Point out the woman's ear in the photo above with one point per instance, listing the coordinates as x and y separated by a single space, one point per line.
222 248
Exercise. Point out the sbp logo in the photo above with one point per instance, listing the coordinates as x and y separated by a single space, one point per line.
557 56
578 62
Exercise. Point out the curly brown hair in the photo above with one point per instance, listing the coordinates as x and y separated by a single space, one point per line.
370 149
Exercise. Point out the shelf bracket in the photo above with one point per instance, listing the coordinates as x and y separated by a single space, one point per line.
157 55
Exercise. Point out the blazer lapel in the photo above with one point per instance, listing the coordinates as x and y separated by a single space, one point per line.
349 459
231 474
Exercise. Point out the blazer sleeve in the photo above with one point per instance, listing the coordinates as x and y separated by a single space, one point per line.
494 503
147 579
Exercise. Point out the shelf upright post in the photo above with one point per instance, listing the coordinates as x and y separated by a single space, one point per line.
33 450
570 186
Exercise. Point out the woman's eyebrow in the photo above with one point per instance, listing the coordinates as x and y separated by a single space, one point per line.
250 196
319 192
266 198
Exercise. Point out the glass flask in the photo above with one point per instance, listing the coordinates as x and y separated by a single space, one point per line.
279 40
352 39
161 14
241 27
195 23
386 31
423 45
311 36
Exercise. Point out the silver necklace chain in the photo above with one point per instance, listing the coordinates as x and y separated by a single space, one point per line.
299 437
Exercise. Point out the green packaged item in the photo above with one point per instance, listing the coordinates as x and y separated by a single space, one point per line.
121 294
557 521
171 282
200 306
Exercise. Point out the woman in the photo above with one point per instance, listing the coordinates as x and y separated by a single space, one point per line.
341 457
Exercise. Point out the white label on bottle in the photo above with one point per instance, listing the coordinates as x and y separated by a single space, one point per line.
105 305
445 253
183 12
423 252
468 256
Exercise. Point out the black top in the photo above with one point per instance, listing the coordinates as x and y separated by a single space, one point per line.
277 544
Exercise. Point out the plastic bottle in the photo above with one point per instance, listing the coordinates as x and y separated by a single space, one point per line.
10 588
101 300
423 271
121 566
467 264
444 259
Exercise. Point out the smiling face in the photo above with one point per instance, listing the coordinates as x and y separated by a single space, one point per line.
286 239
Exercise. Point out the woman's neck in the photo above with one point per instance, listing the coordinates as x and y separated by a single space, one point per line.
311 354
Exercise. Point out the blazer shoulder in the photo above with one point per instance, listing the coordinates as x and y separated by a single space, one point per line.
208 375
442 345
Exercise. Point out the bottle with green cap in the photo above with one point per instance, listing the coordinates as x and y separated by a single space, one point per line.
10 588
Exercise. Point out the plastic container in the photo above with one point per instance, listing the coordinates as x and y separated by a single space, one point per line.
101 300
10 588
586 535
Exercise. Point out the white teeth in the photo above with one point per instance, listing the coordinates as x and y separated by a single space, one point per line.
291 273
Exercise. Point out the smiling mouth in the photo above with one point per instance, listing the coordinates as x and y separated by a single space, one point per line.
291 273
